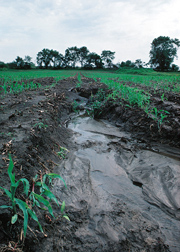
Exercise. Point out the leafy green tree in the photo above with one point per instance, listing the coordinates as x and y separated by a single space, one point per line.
163 51
27 59
138 63
83 54
44 57
67 58
2 64
19 62
174 68
128 63
72 56
60 61
54 57
27 62
122 64
94 60
12 65
107 57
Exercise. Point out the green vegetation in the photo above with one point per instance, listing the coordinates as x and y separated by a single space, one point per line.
129 87
32 198
79 80
159 82
162 54
136 90
62 152
135 86
18 81
96 103
40 125
163 51
75 106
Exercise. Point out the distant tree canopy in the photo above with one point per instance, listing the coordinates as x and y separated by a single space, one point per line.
163 51
19 63
107 57
74 55
129 64
94 60
162 54
83 54
44 57
3 65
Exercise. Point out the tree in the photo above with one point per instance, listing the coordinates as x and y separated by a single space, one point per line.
128 63
107 57
44 57
83 54
123 64
55 57
94 60
19 62
72 56
12 65
163 51
174 68
138 63
27 62
2 64
60 61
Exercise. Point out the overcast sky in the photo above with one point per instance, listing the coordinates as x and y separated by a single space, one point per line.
125 26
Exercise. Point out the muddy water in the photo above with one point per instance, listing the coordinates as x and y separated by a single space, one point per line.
128 197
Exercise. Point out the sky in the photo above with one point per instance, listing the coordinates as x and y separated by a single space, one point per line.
126 27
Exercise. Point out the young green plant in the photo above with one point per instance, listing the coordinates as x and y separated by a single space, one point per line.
33 198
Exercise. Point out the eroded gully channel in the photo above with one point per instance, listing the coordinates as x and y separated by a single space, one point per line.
127 197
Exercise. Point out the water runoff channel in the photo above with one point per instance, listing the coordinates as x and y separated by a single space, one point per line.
126 193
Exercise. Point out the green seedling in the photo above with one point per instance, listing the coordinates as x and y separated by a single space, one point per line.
79 80
44 190
95 106
18 202
162 117
63 152
40 125
155 113
159 116
75 106
32 199
162 97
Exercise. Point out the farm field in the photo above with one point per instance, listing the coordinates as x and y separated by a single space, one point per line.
114 137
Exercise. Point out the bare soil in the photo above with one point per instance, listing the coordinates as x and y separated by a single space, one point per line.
34 150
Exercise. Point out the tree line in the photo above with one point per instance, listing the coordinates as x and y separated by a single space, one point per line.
162 54
73 55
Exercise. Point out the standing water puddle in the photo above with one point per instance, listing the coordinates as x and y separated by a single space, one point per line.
102 183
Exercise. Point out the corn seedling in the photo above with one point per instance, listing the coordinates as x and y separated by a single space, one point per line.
75 106
79 80
163 98
40 125
63 152
162 117
32 198
94 107
18 81
159 116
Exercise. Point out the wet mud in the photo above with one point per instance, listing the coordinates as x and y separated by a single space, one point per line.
122 184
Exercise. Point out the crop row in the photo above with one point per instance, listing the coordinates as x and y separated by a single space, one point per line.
132 94
162 82
17 81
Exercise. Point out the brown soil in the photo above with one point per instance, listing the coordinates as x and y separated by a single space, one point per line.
34 149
